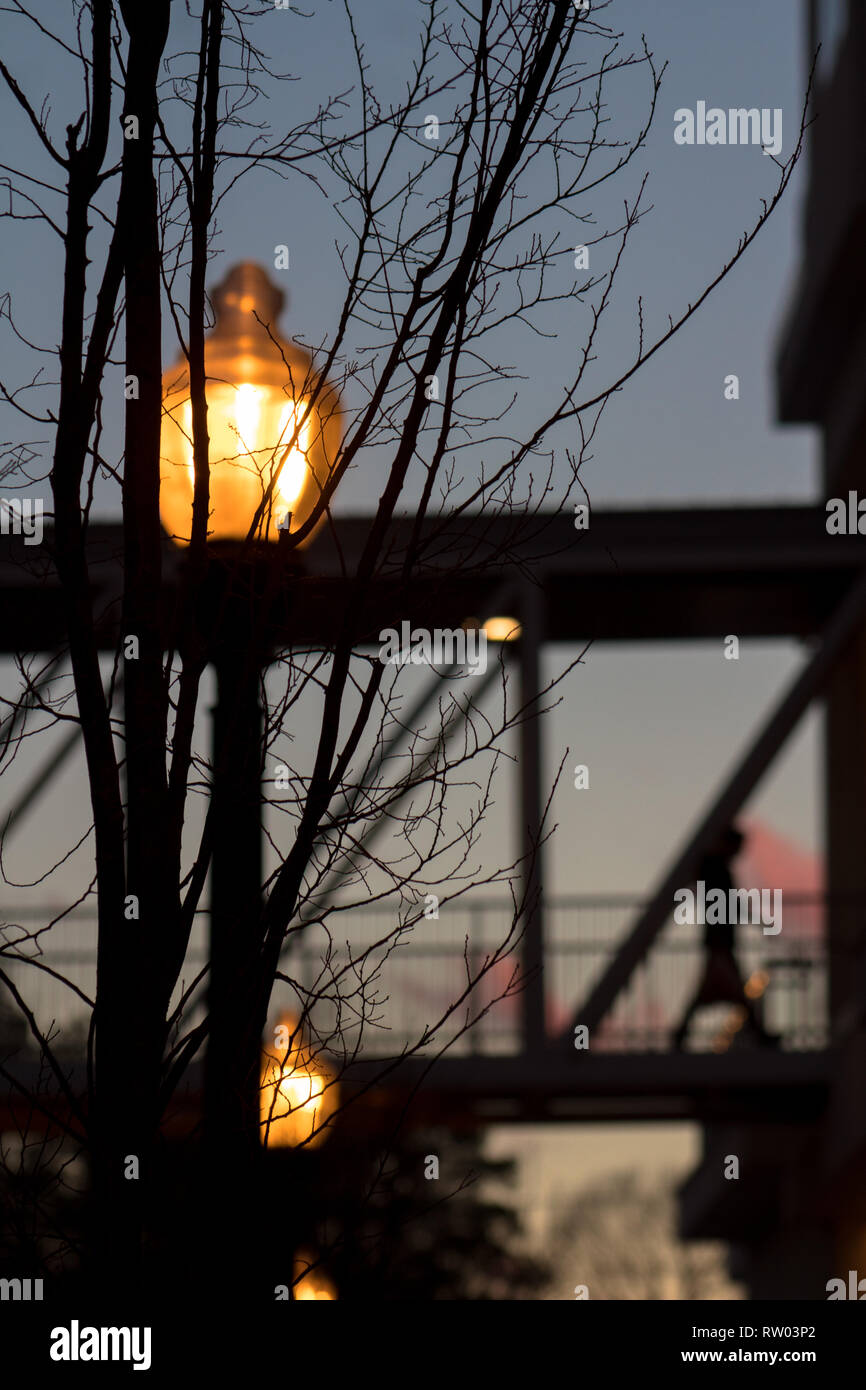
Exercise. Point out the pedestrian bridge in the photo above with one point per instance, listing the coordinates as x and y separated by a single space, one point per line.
621 969
484 1072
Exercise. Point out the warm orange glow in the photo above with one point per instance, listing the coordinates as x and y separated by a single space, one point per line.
298 1093
754 987
756 984
313 1285
267 442
502 629
730 1028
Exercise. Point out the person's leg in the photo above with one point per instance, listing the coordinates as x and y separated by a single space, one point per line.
756 1024
679 1036
737 995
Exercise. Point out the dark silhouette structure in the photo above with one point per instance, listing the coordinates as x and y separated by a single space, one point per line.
797 1217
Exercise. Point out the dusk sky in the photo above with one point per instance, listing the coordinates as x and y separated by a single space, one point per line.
657 725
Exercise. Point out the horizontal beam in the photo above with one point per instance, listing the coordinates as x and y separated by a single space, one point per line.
671 574
584 1073
751 1082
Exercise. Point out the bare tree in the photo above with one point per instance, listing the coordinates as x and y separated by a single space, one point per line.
455 252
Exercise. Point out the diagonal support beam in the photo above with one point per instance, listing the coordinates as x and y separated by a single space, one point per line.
41 779
12 723
455 723
408 725
849 615
500 598
10 728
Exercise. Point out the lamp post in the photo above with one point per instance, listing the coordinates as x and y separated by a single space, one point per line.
271 450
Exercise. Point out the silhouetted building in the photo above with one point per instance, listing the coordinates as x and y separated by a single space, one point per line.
797 1213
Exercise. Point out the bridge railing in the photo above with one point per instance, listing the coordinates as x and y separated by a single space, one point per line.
414 985
785 974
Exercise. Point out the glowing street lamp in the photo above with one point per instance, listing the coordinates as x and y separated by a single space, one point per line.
497 629
267 442
502 629
312 1284
297 1094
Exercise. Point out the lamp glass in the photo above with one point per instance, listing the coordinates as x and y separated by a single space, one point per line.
267 442
297 1095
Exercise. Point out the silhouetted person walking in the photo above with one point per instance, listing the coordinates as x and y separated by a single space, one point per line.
721 982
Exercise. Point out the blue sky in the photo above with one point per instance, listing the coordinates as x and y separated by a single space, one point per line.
656 725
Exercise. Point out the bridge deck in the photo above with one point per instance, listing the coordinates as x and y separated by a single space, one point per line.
632 576
628 1071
